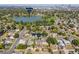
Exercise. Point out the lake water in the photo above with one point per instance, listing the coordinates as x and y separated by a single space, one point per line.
27 19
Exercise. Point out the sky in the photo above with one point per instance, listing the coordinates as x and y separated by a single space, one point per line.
39 1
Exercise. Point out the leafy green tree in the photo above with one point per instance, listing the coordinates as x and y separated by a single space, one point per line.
75 42
16 35
62 33
13 27
20 26
8 27
51 40
21 46
44 33
52 21
36 29
71 25
74 33
28 26
54 29
1 46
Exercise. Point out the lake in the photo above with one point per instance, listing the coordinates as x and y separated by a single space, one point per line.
27 19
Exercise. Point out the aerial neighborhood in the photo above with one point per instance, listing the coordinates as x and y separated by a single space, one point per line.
32 30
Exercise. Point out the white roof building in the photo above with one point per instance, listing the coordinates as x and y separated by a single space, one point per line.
22 41
17 30
11 37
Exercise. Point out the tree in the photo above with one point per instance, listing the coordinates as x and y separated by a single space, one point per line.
75 42
71 25
28 26
44 33
52 21
36 29
51 40
8 27
20 26
74 33
16 35
1 46
21 46
13 26
62 33
55 30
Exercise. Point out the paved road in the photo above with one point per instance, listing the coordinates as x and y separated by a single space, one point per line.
15 43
